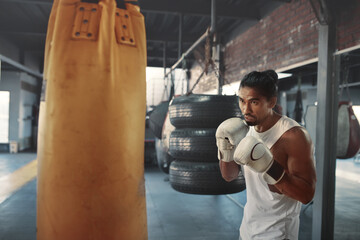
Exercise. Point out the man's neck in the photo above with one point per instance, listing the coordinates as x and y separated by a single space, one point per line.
268 122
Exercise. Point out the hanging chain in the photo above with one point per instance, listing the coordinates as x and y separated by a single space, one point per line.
209 62
208 59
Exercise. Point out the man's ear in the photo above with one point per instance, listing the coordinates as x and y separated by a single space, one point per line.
272 102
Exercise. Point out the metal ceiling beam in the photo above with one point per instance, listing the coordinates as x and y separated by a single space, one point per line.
20 67
169 59
187 7
47 2
165 37
156 62
50 2
160 54
191 7
23 33
152 37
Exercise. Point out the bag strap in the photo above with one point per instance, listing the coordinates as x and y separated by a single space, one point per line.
119 3
90 1
134 2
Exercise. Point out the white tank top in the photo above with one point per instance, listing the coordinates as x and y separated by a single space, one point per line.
269 215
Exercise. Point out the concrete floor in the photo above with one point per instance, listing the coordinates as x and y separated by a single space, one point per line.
174 216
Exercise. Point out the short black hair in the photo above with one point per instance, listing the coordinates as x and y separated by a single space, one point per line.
265 82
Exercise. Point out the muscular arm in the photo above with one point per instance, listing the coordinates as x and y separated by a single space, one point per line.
300 177
229 170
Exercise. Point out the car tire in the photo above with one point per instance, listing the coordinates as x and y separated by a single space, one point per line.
202 178
202 111
191 144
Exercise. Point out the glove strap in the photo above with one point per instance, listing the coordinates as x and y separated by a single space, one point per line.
274 174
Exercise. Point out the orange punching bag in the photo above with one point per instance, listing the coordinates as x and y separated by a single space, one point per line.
92 123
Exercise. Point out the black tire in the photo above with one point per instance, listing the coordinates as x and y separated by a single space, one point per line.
202 111
202 178
163 158
157 118
193 144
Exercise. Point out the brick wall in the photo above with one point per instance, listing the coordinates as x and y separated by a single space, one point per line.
348 27
287 36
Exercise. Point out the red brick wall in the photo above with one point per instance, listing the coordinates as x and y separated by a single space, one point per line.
348 26
287 36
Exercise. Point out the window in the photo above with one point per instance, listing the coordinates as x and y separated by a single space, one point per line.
4 116
356 109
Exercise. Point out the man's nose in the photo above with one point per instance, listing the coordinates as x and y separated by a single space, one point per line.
246 109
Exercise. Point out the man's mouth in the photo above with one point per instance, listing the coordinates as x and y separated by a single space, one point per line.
249 117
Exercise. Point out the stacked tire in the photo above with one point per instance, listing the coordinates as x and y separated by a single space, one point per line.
192 144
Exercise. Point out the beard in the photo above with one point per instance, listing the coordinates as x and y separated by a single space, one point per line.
253 121
250 123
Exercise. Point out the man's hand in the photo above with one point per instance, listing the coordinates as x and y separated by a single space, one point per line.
253 153
228 135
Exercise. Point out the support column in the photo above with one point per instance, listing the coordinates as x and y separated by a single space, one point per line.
217 62
164 66
164 57
216 55
327 111
181 18
213 16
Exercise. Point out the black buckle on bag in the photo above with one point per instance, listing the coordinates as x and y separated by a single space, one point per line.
119 3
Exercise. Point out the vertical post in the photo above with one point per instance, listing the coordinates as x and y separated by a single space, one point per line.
164 57
217 62
216 55
283 103
180 35
298 111
327 95
172 88
180 43
188 73
164 66
213 16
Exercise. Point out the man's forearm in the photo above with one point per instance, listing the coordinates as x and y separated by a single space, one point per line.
229 170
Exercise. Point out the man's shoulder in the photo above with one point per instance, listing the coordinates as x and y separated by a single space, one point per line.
288 121
296 134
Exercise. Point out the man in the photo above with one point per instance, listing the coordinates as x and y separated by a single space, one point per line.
277 158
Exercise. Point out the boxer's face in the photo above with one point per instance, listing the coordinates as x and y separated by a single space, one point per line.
254 106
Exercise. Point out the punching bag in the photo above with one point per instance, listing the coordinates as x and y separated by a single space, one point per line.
92 123
348 132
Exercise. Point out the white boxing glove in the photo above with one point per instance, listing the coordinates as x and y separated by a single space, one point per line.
228 135
254 154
